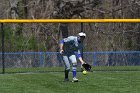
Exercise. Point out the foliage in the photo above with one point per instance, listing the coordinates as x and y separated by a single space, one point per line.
20 42
103 36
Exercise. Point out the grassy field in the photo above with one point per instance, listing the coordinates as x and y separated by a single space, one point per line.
60 69
52 82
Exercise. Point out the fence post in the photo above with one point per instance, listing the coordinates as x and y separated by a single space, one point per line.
3 52
41 59
82 30
94 59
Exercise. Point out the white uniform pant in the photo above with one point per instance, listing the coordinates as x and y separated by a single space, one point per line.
68 60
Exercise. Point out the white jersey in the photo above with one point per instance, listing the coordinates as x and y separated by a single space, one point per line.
72 45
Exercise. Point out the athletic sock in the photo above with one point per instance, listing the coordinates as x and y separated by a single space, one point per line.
74 71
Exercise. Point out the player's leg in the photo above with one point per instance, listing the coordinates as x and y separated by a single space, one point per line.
67 68
74 67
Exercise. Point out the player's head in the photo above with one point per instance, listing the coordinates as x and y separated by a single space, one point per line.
81 36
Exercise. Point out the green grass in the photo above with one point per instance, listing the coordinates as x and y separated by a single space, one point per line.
60 69
52 82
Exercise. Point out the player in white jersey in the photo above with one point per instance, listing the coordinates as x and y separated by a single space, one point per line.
70 48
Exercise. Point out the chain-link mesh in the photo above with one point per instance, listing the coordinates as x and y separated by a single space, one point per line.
34 46
52 61
32 61
127 58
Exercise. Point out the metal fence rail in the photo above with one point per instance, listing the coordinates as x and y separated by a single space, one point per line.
28 60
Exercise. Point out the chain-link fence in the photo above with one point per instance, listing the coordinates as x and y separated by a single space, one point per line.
34 46
52 61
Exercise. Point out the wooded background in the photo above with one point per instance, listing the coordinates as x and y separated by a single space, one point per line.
45 36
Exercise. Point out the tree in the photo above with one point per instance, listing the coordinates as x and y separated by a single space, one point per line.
66 10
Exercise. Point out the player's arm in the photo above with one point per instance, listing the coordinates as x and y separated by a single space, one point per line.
81 60
80 57
61 46
84 66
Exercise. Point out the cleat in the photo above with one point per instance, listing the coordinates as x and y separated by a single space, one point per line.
75 79
66 80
